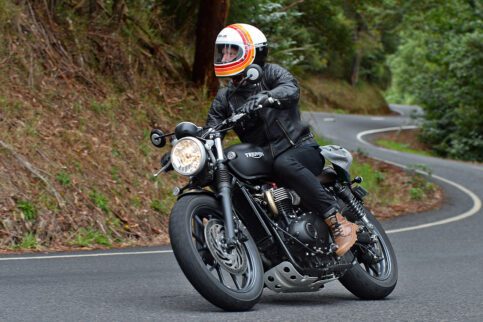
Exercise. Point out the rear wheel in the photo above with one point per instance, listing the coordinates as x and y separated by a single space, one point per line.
231 280
375 276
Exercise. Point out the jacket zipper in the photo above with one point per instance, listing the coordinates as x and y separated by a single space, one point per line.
284 132
266 134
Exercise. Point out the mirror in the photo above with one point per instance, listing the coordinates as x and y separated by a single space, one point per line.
157 138
253 73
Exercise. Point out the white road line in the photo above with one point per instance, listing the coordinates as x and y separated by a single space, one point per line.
387 129
476 201
86 255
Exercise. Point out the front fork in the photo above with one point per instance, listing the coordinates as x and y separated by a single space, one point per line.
223 179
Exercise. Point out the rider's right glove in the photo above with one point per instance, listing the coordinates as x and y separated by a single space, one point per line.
253 102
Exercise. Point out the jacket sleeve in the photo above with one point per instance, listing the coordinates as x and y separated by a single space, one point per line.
219 109
283 86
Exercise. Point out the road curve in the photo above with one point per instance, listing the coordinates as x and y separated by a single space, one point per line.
441 267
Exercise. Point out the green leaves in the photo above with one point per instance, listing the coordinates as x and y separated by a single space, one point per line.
324 36
439 66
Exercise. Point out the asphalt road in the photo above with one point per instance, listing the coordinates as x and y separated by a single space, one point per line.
440 266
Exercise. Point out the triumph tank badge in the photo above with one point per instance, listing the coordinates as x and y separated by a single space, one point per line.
231 155
254 155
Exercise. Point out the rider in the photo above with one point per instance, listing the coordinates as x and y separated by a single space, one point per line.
297 159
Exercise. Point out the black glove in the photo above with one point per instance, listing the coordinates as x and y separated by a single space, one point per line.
253 102
260 98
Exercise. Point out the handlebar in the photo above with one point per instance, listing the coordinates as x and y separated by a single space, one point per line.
271 101
235 117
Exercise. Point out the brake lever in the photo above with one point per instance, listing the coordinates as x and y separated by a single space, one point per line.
162 169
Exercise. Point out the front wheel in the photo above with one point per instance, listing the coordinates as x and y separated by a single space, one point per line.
376 273
231 280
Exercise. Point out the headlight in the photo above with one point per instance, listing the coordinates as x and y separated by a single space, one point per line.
188 156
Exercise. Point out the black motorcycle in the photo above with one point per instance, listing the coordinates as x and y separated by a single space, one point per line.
233 231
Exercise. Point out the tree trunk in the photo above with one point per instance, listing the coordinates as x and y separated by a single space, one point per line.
356 66
351 9
212 16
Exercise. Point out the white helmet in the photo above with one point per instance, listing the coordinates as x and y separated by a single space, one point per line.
236 47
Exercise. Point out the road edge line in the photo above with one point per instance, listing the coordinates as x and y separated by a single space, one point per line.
476 201
86 255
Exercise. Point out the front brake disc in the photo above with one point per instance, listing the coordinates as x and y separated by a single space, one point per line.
235 260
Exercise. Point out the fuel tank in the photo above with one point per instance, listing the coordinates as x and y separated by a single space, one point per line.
249 161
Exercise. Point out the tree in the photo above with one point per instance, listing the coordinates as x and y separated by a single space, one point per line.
212 17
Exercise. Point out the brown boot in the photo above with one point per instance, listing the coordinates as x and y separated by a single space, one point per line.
343 232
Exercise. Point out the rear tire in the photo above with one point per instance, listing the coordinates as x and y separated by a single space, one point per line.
373 281
232 281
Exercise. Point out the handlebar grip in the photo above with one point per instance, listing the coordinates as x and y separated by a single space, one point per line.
269 102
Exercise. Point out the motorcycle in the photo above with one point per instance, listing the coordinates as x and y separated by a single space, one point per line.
233 231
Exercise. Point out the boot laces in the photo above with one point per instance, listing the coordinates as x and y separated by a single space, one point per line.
337 230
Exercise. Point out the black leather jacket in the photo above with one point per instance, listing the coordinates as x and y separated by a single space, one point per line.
277 128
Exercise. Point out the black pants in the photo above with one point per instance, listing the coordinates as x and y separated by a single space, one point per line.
297 169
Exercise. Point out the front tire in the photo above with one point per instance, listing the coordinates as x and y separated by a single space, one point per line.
232 280
371 280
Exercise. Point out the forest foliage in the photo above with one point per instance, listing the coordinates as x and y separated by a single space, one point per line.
439 65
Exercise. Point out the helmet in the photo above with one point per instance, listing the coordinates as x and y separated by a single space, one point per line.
236 47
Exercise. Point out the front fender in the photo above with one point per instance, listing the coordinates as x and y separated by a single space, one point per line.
197 191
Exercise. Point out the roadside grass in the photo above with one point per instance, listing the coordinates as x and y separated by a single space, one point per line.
28 209
372 180
402 147
63 178
321 140
420 186
338 96
86 237
99 200
29 241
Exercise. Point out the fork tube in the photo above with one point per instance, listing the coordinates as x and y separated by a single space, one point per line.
224 188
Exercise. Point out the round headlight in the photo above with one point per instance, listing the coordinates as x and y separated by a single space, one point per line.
188 156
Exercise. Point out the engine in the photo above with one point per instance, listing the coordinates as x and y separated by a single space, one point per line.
302 228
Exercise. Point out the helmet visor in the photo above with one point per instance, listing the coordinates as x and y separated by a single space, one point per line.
227 53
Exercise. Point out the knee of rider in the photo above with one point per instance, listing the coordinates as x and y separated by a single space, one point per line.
284 165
